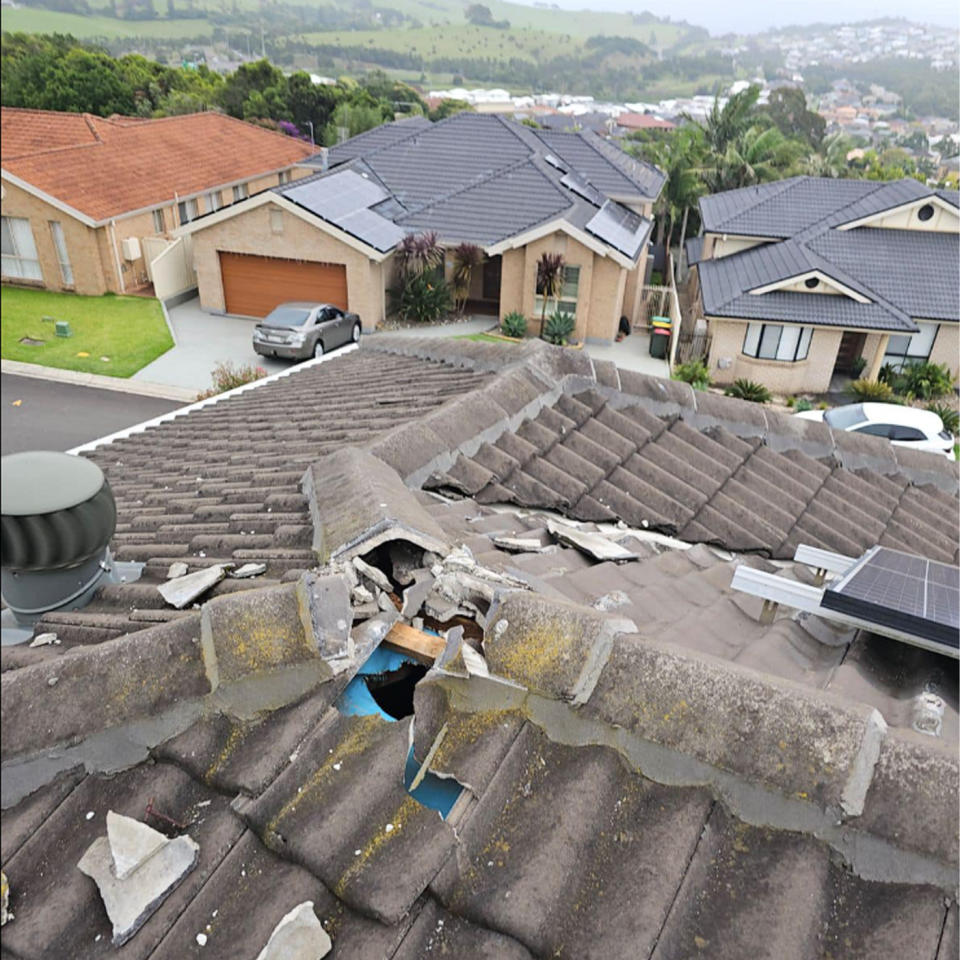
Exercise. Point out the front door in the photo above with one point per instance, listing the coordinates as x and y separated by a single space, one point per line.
491 278
851 347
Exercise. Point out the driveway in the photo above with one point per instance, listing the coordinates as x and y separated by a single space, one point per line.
60 416
201 341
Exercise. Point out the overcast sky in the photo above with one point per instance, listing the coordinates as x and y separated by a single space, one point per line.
752 16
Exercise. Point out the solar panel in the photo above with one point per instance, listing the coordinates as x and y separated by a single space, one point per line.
579 186
371 228
554 162
895 589
337 195
620 227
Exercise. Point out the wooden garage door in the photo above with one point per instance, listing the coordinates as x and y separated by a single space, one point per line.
253 286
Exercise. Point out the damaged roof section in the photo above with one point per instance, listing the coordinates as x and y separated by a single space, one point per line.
642 757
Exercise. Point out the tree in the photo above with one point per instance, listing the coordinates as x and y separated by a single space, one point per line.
787 109
419 253
448 107
247 79
466 258
724 124
85 82
759 154
549 281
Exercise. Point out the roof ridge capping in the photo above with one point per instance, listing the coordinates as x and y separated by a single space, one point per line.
776 753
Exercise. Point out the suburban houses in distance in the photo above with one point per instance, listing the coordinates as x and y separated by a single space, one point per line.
88 203
513 191
799 279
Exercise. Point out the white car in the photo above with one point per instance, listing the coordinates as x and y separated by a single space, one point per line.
903 426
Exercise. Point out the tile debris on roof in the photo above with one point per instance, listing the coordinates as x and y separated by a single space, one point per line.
108 167
482 179
905 275
642 760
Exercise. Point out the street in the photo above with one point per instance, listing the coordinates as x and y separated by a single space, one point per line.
59 416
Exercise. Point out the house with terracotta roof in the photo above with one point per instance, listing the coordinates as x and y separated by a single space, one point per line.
482 179
805 278
90 203
643 121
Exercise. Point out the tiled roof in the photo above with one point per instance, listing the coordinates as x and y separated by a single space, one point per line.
905 274
105 168
651 764
643 121
482 179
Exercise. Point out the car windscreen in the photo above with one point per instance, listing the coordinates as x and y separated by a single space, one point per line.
286 317
844 417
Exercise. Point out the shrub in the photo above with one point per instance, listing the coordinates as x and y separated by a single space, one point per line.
858 366
872 390
225 377
695 373
801 405
928 381
744 389
421 298
559 327
949 416
514 325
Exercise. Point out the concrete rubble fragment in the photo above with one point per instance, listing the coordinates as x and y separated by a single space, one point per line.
594 545
44 640
519 544
152 866
182 591
248 570
372 574
298 936
177 569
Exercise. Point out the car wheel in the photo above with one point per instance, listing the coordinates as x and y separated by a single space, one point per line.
318 350
355 334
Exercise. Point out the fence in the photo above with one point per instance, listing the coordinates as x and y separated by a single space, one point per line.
691 346
661 302
169 265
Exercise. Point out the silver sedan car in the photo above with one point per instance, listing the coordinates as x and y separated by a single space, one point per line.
299 330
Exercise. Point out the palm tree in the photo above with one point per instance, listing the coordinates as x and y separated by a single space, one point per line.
725 124
419 253
549 281
681 158
831 159
466 257
758 155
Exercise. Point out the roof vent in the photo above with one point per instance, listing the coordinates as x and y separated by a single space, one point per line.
58 515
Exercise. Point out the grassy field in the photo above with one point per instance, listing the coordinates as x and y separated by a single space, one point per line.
114 336
26 20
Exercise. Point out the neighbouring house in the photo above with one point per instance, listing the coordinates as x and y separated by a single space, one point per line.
632 122
799 279
514 191
607 748
90 203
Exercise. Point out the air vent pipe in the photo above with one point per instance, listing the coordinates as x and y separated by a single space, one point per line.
58 515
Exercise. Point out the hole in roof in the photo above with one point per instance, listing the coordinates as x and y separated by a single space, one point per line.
811 282
437 793
383 686
925 212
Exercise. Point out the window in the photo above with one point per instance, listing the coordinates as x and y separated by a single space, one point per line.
213 201
239 192
187 210
915 349
876 430
769 341
276 220
159 224
18 249
567 301
284 177
60 245
925 213
811 283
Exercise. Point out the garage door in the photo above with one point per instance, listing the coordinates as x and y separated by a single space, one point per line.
253 286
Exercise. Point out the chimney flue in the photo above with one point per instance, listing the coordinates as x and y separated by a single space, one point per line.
58 515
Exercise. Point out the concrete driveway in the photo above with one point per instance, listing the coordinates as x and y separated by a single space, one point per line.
201 341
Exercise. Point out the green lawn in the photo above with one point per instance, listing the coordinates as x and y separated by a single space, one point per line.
480 338
83 26
119 335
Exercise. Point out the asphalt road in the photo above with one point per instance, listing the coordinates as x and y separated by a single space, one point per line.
59 416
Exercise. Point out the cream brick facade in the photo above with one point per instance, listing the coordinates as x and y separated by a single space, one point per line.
96 253
252 232
946 348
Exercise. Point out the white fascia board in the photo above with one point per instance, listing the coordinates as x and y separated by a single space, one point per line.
268 196
53 201
562 226
812 274
933 199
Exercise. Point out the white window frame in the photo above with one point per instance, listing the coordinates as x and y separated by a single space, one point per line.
213 201
766 341
187 210
63 257
159 221
283 177
911 348
240 192
20 260
569 292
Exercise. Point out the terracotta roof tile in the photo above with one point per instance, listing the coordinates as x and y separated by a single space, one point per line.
105 168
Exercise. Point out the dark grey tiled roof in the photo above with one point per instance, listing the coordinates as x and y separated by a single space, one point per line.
482 179
905 274
573 837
